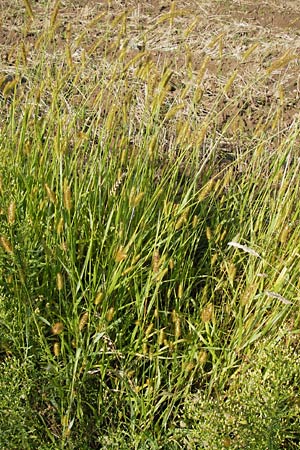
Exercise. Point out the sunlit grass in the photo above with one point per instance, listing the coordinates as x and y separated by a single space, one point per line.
121 299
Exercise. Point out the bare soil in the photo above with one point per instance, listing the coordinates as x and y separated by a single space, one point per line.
179 34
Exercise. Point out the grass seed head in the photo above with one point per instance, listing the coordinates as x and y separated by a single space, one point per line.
99 297
155 261
149 329
6 245
57 328
67 197
202 357
180 291
50 193
207 313
59 281
110 314
121 254
56 349
83 320
177 332
60 226
11 213
161 336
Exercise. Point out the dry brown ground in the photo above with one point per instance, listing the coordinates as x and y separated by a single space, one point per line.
180 34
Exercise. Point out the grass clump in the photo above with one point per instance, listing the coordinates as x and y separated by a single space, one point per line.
128 321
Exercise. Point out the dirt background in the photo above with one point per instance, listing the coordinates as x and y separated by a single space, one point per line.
178 34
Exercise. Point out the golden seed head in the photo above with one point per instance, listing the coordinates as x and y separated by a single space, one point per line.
174 316
149 329
110 314
83 320
195 221
202 357
57 328
214 259
51 195
136 199
161 336
155 261
284 234
121 254
171 263
156 313
99 298
56 349
6 245
67 197
177 328
189 366
208 233
145 348
206 190
59 281
207 313
180 291
11 213
231 272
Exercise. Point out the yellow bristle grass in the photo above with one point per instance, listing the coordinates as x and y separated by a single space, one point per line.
67 197
173 111
281 62
9 87
28 8
54 13
207 313
284 235
182 219
202 133
161 336
180 291
59 281
155 261
190 28
177 331
161 275
214 259
248 294
57 328
51 195
230 82
99 297
83 320
136 199
202 357
149 330
208 233
195 221
60 225
11 213
231 270
206 190
6 245
56 348
188 367
174 315
121 254
110 314
216 40
249 52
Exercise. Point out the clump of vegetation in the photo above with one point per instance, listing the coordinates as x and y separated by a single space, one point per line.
148 258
